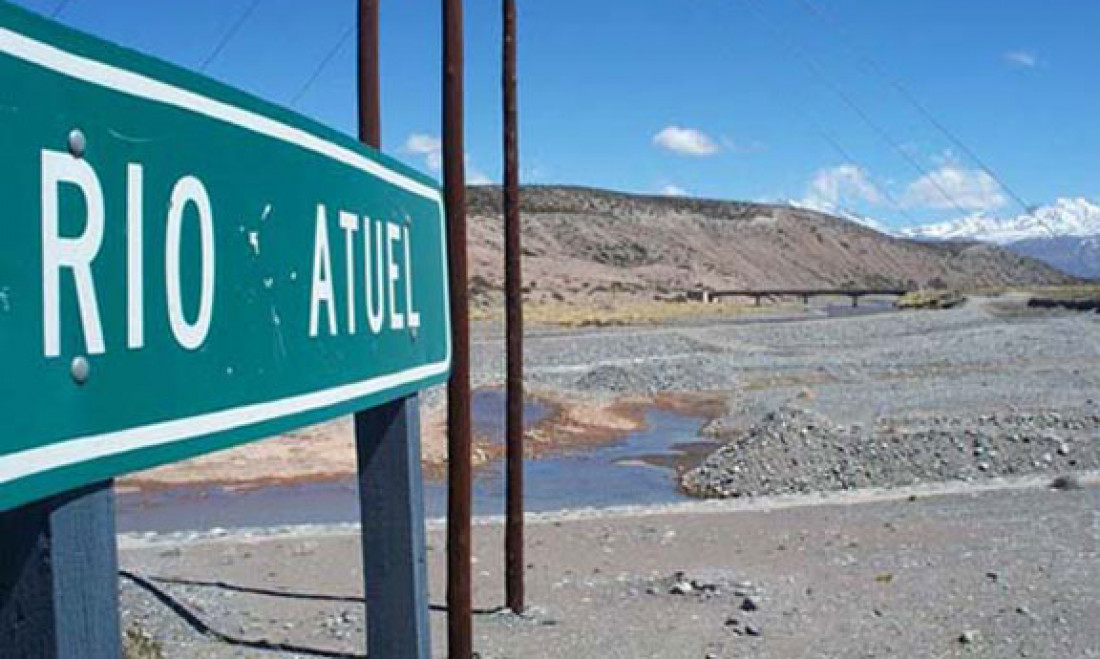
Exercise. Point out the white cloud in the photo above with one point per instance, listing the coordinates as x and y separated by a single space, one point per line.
671 190
1022 58
954 187
475 176
686 141
430 148
839 188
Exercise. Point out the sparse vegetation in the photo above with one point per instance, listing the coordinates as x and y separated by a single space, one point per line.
622 313
138 644
931 299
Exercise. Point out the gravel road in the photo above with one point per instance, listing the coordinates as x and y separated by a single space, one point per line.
1010 572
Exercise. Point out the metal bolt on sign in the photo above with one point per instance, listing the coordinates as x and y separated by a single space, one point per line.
78 144
80 370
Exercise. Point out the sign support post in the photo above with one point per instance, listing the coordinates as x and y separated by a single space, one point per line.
391 501
387 446
59 577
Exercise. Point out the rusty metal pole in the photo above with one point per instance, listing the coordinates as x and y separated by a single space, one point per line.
370 106
459 599
513 285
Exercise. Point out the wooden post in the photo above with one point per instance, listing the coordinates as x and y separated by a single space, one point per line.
459 597
513 541
387 447
59 577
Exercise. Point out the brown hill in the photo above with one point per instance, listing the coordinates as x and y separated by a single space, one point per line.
587 243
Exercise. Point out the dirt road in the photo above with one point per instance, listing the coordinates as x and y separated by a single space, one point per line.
974 572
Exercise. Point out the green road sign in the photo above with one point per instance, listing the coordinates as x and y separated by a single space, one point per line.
184 267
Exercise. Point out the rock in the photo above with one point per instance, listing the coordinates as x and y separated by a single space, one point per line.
752 630
1066 482
750 604
968 637
681 588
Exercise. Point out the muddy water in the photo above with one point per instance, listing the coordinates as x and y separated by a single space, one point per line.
637 470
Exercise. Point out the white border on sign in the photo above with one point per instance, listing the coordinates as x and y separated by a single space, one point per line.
76 450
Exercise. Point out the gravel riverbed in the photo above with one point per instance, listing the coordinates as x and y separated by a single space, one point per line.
994 388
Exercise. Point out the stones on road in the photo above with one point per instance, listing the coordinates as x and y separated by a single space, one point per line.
681 584
741 628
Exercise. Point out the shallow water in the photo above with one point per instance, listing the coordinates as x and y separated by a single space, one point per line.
640 469
488 413
609 475
625 472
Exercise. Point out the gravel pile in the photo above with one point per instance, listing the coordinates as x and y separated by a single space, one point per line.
613 379
792 450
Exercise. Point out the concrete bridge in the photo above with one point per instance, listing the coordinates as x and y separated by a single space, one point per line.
804 293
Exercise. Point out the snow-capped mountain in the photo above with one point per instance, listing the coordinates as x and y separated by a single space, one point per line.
1065 217
1065 234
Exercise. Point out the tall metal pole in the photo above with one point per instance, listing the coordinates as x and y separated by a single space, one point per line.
513 295
370 106
459 602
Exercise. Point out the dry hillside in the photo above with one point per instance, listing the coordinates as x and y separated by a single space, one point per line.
589 244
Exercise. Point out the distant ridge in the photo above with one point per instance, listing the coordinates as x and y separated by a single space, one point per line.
590 243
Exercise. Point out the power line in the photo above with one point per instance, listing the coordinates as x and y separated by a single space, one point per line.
322 65
893 81
830 139
233 30
873 66
819 72
60 8
846 155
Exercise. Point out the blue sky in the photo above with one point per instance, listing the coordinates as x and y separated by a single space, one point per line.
738 99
